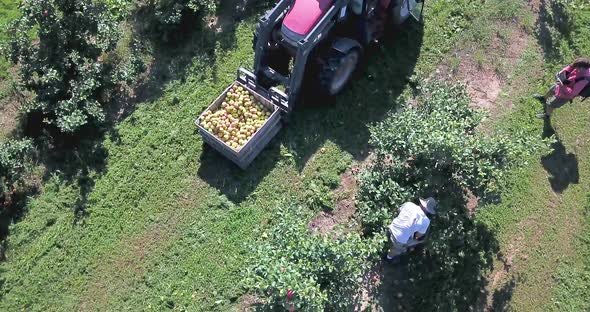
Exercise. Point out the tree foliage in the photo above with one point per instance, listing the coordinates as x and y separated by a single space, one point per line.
13 157
59 46
434 150
170 12
295 269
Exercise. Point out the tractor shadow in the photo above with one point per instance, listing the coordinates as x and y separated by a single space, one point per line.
374 93
237 184
368 99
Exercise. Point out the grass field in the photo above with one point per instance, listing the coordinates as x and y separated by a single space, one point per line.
146 217
8 12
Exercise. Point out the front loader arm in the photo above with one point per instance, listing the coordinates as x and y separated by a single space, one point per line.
307 45
264 31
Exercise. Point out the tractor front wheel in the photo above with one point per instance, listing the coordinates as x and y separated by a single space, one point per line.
337 71
400 11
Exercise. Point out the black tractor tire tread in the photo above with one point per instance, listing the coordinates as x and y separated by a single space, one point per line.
327 71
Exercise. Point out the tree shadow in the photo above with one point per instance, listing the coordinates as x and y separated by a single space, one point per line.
173 50
449 273
74 159
80 159
13 212
502 296
553 16
387 72
562 167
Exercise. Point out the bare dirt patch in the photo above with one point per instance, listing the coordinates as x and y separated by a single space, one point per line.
374 285
231 12
472 202
535 6
248 303
484 72
345 207
345 197
9 111
482 82
510 46
484 91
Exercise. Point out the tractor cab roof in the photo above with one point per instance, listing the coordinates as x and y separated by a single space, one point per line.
304 15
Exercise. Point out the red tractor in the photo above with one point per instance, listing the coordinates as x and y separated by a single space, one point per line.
311 45
318 43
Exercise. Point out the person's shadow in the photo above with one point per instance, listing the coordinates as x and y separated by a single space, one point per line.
561 166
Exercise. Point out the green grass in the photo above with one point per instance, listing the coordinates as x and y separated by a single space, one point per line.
541 220
573 275
166 220
8 12
151 181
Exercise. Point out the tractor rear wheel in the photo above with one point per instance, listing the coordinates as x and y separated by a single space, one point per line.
337 71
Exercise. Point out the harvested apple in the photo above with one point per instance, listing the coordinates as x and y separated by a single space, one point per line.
238 119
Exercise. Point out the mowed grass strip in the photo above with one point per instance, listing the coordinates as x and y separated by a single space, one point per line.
167 222
150 184
541 219
8 12
539 228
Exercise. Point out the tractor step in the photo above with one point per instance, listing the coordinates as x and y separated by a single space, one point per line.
274 75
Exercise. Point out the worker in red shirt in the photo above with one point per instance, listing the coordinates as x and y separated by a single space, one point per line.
572 81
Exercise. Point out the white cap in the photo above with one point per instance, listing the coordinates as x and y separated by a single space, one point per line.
429 205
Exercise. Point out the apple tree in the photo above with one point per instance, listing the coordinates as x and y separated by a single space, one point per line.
295 270
59 47
436 149
13 159
170 12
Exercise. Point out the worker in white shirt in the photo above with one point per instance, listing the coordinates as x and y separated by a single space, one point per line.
409 228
